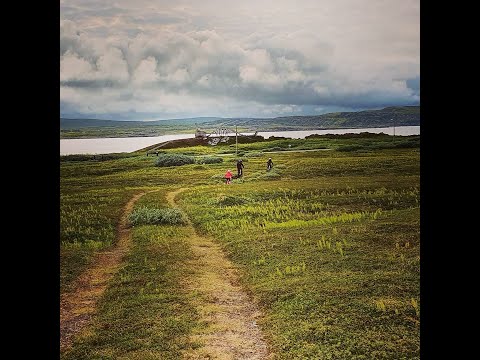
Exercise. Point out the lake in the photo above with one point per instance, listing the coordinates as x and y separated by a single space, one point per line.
129 144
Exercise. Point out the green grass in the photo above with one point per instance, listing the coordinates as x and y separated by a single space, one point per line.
154 216
208 160
144 314
319 266
88 221
328 242
173 160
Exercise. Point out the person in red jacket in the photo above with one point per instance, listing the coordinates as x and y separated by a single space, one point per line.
228 176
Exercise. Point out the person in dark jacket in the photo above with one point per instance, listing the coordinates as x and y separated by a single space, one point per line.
240 167
269 164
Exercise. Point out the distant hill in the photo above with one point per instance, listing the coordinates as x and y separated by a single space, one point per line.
401 115
91 128
66 123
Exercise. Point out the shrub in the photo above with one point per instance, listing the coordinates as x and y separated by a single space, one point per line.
209 160
97 157
152 216
75 157
174 160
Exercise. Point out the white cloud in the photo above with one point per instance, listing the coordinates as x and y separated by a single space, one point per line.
111 65
74 67
162 58
145 72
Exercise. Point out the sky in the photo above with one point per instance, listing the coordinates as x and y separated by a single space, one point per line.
146 60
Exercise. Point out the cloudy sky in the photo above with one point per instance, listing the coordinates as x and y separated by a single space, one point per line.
143 60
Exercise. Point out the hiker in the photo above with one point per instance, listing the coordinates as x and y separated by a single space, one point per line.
269 164
240 167
228 177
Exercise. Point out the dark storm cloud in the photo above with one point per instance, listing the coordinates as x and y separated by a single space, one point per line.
91 84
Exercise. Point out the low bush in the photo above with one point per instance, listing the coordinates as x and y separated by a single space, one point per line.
152 216
174 160
96 157
209 160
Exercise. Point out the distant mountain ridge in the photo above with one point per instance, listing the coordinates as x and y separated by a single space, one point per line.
67 123
97 128
389 116
402 115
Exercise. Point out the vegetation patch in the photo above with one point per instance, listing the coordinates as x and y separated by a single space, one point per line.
254 154
209 160
333 260
152 216
276 148
328 242
348 148
145 313
164 160
96 157
226 200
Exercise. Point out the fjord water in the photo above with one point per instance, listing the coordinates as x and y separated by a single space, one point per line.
129 144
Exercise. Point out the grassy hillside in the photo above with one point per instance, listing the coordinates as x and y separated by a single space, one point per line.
95 128
91 128
403 116
328 243
93 123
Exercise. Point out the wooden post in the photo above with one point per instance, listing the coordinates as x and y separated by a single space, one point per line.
236 141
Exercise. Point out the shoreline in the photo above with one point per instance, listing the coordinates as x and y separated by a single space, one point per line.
94 146
192 131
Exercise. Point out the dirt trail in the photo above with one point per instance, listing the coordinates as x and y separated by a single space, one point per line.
230 315
78 306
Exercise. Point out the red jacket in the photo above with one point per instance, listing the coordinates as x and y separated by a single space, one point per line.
228 175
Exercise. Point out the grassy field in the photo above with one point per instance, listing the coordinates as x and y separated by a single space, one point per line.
144 314
327 243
